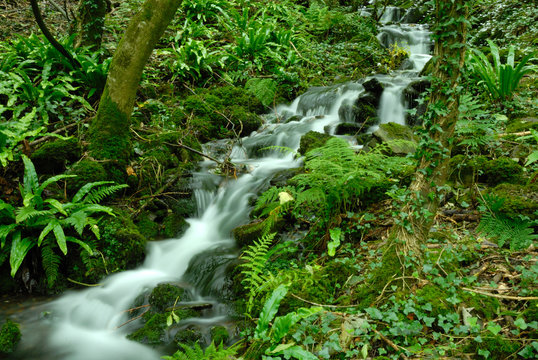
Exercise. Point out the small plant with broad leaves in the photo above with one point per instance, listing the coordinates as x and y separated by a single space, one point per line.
43 222
271 337
500 80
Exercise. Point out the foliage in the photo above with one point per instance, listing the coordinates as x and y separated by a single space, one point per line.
281 327
255 257
500 80
10 335
517 232
195 352
24 227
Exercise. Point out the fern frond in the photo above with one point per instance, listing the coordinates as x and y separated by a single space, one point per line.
98 194
212 352
255 258
51 263
517 232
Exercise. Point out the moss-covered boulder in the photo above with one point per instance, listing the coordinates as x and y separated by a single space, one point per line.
10 335
522 124
188 336
222 112
246 234
52 157
500 170
518 199
164 296
312 140
219 334
399 138
86 171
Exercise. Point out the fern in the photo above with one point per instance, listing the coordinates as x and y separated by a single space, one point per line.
263 89
517 232
51 262
212 352
255 258
94 192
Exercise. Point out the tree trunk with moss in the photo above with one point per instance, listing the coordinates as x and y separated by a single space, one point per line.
90 21
109 130
426 190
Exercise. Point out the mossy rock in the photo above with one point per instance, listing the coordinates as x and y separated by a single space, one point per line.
188 336
436 297
147 226
399 138
487 307
164 296
219 334
523 124
173 225
10 335
518 199
312 140
348 129
501 170
121 243
86 171
246 234
497 346
412 94
153 331
52 157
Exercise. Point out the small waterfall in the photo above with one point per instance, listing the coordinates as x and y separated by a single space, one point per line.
91 324
414 38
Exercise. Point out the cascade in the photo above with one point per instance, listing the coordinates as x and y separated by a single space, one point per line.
416 40
91 324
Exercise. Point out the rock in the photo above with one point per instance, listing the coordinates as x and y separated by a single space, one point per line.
281 178
480 168
312 140
246 234
373 87
52 157
10 335
412 93
164 296
188 336
523 124
518 199
399 138
349 129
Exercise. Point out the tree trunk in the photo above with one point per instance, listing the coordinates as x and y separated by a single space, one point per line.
90 21
426 190
109 130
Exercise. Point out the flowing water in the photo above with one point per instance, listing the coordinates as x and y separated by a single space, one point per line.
87 324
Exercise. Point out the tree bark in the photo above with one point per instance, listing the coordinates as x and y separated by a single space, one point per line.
426 189
90 21
109 130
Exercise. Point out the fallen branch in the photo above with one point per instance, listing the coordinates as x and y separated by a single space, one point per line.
322 305
133 319
81 283
198 306
390 343
506 297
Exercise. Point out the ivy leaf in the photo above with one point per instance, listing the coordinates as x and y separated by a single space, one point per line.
520 323
494 328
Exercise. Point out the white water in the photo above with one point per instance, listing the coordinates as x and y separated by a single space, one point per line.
83 325
416 40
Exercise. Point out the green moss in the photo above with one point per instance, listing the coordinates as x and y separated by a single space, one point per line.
219 334
487 307
312 140
86 171
153 331
173 225
52 157
147 227
188 336
498 347
501 170
518 199
110 137
436 297
10 335
520 125
399 138
163 296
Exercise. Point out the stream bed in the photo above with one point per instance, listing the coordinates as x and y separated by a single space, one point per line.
88 324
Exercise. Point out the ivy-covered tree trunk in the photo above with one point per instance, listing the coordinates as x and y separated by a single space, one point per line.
109 130
90 21
426 190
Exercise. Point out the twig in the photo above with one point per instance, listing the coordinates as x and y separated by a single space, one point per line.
523 133
133 319
390 343
157 194
322 305
507 297
45 138
197 152
136 308
390 281
59 9
81 283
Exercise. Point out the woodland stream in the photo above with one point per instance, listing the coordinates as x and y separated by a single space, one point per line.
85 324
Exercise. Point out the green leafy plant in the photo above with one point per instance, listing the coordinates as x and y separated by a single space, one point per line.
255 258
517 232
24 227
195 352
500 80
281 327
